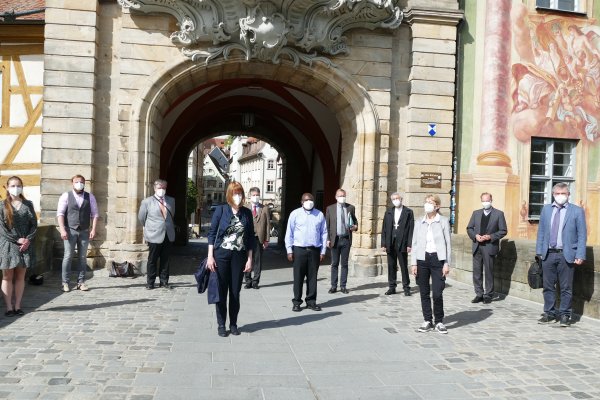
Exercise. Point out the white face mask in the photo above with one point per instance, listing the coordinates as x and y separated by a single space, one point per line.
78 185
397 202
308 204
341 199
561 199
255 199
160 192
237 199
429 208
15 190
486 205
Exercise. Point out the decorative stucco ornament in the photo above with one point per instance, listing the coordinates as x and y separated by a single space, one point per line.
301 30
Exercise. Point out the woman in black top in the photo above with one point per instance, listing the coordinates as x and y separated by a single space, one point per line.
230 244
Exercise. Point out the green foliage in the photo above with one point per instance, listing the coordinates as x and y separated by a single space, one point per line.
191 197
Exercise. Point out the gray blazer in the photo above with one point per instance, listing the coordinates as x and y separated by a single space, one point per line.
496 229
154 224
441 237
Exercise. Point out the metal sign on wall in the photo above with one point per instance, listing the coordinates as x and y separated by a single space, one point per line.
431 180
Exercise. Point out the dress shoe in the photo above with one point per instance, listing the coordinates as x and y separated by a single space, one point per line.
547 319
487 300
221 331
332 290
234 330
248 285
254 285
344 290
477 299
296 308
390 291
314 307
150 286
407 292
165 285
20 312
564 321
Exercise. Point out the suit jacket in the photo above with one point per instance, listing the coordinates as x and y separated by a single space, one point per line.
151 218
262 222
405 224
496 228
220 221
574 233
440 229
331 221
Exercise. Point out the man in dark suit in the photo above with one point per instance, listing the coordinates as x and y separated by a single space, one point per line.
396 239
486 227
561 241
262 223
341 222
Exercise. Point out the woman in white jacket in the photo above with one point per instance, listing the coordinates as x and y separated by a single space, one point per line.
430 262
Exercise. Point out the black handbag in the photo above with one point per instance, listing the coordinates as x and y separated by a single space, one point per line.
121 270
534 275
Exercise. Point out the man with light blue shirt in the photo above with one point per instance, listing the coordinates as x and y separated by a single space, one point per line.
305 241
561 242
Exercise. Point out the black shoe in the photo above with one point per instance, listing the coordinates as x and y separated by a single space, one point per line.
150 286
332 290
314 307
547 319
407 292
19 312
564 321
165 285
477 299
254 285
10 313
344 290
248 285
234 330
296 308
487 300
390 291
221 331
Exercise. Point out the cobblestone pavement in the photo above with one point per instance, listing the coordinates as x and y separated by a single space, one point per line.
120 341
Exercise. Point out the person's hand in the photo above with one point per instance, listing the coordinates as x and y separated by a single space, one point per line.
413 270
329 243
383 249
487 237
63 234
248 266
265 245
479 238
24 244
211 264
578 261
446 270
290 257
354 228
408 249
321 257
92 234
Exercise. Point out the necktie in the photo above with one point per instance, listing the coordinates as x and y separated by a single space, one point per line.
163 208
554 228
254 211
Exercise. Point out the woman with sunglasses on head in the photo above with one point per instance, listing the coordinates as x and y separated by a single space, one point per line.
18 224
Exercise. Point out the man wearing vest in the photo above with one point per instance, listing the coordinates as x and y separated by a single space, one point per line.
486 227
262 223
76 208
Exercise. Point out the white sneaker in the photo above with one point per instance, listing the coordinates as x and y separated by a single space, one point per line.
65 287
426 327
440 328
81 286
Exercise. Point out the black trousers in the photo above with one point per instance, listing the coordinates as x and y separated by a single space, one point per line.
431 269
230 271
256 263
158 251
395 257
306 265
483 269
340 252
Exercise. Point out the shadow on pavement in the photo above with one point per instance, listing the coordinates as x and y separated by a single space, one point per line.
86 307
464 318
374 285
291 321
357 298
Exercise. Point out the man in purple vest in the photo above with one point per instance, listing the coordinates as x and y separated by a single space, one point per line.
76 209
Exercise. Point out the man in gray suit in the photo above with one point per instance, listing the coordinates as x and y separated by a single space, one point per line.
156 215
486 227
262 223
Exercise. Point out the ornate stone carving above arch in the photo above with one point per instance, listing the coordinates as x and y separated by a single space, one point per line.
302 30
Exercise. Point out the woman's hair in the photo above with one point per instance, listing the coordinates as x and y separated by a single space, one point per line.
231 189
435 198
8 212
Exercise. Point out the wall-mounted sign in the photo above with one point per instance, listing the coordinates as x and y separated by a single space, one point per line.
431 180
431 129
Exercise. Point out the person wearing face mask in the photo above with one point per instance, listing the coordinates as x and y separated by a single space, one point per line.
486 227
262 222
231 240
396 241
305 243
561 242
341 222
76 209
156 215
430 262
18 225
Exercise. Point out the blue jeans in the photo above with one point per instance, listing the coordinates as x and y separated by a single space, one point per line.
82 240
556 269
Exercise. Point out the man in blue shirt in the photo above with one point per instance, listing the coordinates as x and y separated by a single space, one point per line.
305 241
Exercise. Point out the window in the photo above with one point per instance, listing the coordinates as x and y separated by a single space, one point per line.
220 184
552 161
562 5
270 186
280 173
270 164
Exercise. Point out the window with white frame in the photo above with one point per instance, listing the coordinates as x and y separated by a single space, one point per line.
270 164
270 186
552 161
562 5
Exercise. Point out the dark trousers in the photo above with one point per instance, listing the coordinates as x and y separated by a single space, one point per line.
306 265
256 263
431 268
158 251
395 257
483 270
230 271
340 250
556 269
